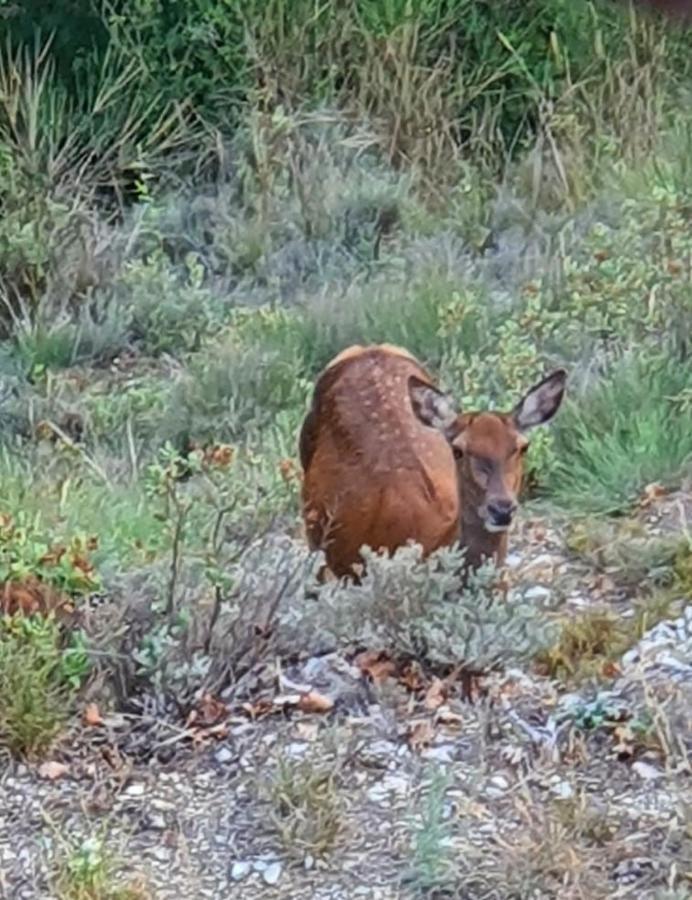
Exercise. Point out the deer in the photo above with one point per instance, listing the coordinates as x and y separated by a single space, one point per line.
388 459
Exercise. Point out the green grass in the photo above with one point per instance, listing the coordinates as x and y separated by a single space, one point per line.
628 430
38 681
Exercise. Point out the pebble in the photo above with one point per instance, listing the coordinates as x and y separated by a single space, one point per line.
240 870
272 873
135 790
537 593
445 753
223 755
646 770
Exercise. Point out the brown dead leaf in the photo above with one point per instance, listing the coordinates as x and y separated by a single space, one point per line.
258 709
447 716
92 715
651 493
208 712
610 669
411 677
420 734
436 694
307 731
376 665
52 770
314 702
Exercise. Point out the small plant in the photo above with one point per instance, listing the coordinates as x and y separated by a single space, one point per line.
39 676
307 809
432 866
88 871
588 646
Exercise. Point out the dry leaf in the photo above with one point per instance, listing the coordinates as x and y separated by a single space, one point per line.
420 734
376 665
436 694
53 770
411 677
447 716
651 493
208 712
610 669
92 715
259 708
307 731
313 702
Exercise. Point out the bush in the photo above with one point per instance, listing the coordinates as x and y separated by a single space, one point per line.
419 608
39 676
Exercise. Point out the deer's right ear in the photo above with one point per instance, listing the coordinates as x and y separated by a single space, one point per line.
432 407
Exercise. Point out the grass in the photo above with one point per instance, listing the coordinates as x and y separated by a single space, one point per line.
307 808
87 870
627 431
39 676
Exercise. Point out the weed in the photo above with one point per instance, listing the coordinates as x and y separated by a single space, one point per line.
588 644
431 865
39 676
306 805
87 871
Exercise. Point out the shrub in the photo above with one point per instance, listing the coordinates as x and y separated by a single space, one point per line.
418 608
39 676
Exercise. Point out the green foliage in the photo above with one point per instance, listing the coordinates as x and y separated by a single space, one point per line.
626 431
88 870
432 867
25 554
39 676
306 806
416 607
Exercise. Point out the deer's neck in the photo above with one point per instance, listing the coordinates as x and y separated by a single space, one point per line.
480 544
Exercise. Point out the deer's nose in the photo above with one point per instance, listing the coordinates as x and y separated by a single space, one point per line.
501 511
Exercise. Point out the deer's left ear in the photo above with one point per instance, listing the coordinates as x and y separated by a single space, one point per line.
540 404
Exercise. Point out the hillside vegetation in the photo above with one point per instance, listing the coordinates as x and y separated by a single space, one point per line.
201 203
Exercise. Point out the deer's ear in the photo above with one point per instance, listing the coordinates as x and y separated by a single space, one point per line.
540 404
434 408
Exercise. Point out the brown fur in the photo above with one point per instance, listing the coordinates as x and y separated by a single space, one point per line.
376 472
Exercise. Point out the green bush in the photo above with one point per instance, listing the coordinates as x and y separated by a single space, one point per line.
39 676
418 607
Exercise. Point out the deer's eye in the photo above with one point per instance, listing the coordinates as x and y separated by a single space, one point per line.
457 451
523 449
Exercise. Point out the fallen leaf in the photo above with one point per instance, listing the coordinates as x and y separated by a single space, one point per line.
53 770
92 715
420 734
610 669
259 708
376 665
447 716
209 711
314 702
411 677
436 694
651 493
307 731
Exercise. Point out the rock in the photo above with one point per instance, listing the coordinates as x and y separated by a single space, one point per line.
135 790
537 593
272 873
445 753
240 869
563 790
646 770
223 755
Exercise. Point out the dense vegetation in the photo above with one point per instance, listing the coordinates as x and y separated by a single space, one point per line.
201 201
